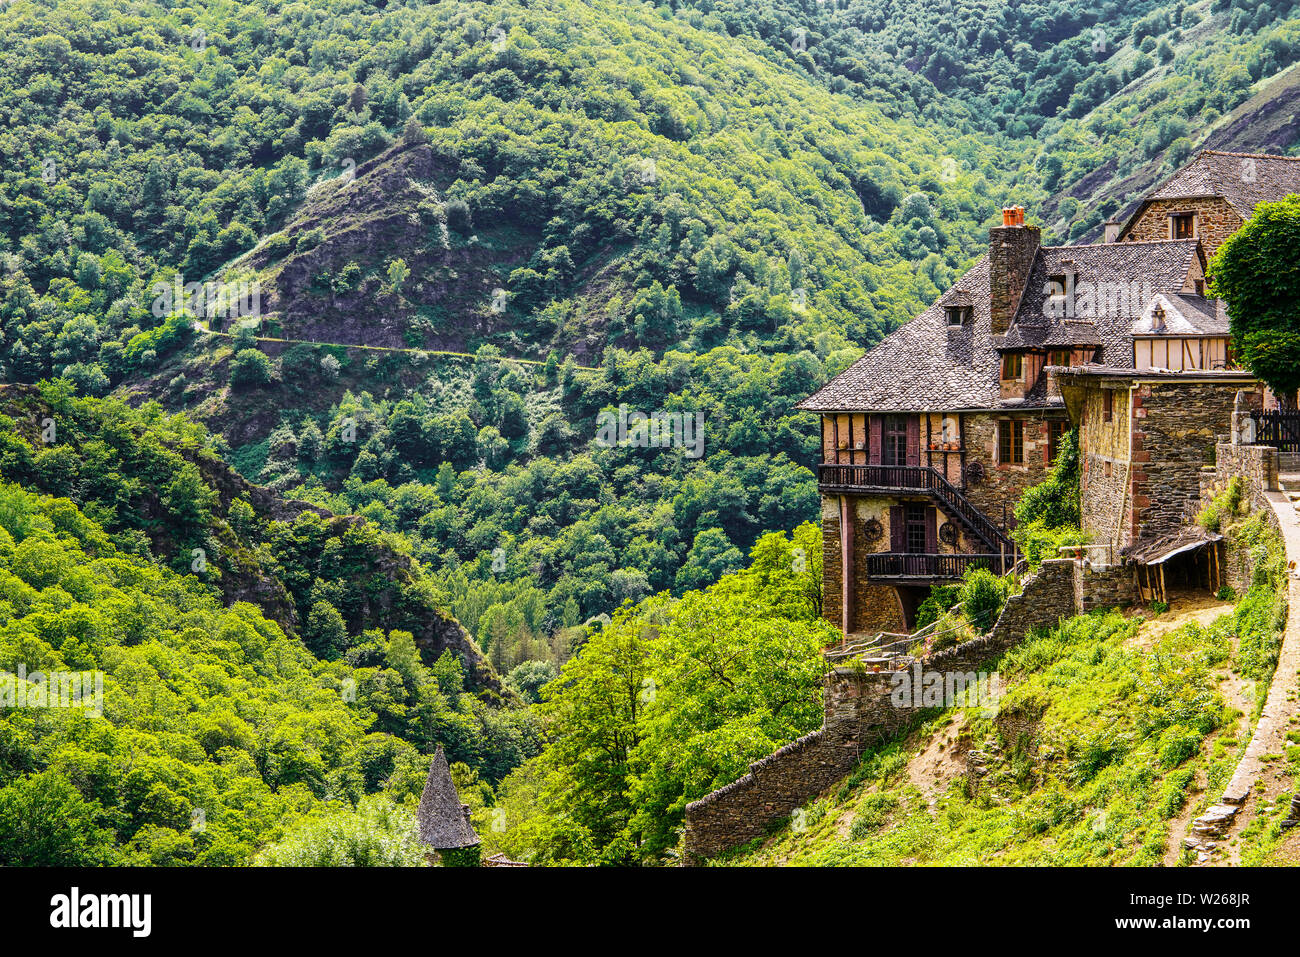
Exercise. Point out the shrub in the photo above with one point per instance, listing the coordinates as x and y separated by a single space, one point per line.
250 367
982 596
940 599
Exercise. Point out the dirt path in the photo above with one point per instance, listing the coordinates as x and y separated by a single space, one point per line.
1261 776
203 330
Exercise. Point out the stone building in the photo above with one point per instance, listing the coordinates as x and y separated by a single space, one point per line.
443 821
1144 437
929 439
1210 198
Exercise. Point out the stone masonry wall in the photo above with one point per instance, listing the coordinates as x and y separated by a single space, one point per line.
859 714
1104 465
1175 428
1258 465
1215 221
1109 586
1002 485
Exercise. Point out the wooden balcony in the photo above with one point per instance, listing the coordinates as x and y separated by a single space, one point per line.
918 568
857 478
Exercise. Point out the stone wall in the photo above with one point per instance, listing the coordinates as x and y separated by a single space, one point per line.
1175 429
1215 221
859 714
1001 486
1104 586
1257 464
1104 464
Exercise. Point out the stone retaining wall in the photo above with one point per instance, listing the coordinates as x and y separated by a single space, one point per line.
1104 586
860 713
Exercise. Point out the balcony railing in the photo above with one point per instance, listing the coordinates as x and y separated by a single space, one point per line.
925 566
918 478
914 478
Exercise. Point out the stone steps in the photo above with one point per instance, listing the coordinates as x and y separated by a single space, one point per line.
1289 481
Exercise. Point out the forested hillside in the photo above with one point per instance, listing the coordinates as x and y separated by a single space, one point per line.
460 236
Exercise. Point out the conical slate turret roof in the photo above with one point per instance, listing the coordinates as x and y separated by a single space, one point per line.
442 819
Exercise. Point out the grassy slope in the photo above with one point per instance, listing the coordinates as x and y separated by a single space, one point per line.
1110 736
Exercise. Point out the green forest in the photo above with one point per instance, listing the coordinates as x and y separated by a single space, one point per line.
374 515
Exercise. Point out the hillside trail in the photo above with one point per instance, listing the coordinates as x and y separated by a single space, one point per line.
1262 775
1202 609
203 330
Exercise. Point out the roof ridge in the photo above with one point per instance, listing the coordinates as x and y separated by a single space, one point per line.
1127 242
1293 159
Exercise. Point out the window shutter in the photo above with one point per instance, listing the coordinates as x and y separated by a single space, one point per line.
913 440
897 529
873 440
932 531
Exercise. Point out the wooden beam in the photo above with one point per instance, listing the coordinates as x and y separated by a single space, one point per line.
847 570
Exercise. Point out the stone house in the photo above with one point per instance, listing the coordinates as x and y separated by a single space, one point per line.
1210 198
930 438
1144 437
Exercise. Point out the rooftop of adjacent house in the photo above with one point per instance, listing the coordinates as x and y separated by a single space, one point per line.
930 365
443 822
1176 314
1244 180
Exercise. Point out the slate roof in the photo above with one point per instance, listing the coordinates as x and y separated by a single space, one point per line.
927 365
1243 179
442 820
1184 316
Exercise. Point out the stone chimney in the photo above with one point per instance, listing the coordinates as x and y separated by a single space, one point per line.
1112 230
1012 247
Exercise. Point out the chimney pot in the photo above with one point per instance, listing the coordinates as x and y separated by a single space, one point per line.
1008 216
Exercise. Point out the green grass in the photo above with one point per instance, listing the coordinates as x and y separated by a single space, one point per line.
1123 734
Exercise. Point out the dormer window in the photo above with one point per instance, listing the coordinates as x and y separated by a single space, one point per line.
1057 292
1058 357
1182 226
1012 366
959 315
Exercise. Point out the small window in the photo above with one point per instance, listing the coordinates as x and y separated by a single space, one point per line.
1058 357
915 529
958 315
1055 432
1011 442
1107 405
1182 226
1011 365
1200 287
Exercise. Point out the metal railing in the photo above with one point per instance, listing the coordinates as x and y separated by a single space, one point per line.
1279 428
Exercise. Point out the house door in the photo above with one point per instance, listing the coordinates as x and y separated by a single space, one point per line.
895 450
